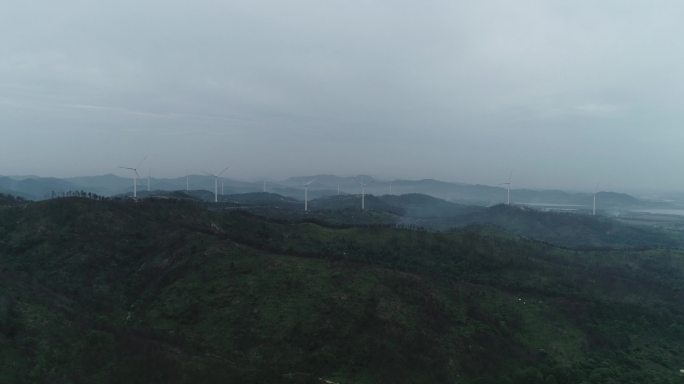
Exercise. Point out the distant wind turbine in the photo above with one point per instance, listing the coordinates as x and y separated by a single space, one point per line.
135 176
306 195
216 177
363 194
593 212
508 188
149 176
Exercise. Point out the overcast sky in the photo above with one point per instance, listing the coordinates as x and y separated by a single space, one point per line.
564 93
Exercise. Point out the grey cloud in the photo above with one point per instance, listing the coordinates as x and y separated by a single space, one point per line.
461 90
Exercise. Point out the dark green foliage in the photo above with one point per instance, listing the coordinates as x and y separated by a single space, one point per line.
166 291
565 229
421 211
9 200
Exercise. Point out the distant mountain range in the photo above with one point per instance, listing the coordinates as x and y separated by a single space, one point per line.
38 188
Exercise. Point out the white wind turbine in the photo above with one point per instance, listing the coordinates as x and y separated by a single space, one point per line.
135 176
508 188
306 195
593 212
216 177
363 193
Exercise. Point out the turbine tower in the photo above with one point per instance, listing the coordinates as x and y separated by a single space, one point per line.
306 195
363 194
363 197
135 176
593 212
508 188
216 177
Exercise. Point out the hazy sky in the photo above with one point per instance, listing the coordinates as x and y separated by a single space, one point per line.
565 93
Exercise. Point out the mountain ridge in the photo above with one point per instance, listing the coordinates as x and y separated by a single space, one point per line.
327 185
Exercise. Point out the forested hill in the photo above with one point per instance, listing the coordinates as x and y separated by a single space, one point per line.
166 291
561 228
565 229
9 200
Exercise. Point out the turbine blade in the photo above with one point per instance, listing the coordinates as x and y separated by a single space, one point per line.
224 170
141 161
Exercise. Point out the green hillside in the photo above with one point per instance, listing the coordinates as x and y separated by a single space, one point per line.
166 291
569 229
9 200
422 211
417 205
343 210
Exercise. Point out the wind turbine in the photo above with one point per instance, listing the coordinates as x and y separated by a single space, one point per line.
216 177
593 212
306 195
508 188
363 194
149 175
135 176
